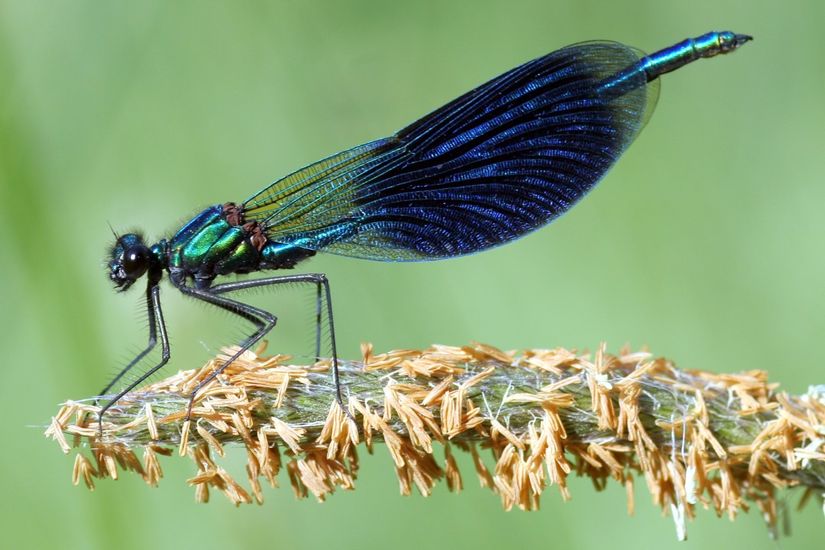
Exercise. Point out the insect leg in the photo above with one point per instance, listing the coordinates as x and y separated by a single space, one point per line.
152 342
264 320
155 314
318 302
226 288
322 284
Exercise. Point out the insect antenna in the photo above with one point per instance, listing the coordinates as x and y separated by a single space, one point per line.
112 229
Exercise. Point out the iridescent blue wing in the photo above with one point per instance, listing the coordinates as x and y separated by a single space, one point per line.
494 164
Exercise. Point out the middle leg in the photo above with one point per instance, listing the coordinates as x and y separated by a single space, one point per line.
322 294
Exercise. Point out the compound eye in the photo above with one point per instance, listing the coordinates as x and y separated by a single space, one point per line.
135 261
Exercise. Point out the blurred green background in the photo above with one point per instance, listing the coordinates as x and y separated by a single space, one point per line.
704 242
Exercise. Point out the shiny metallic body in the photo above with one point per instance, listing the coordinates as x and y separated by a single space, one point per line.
213 244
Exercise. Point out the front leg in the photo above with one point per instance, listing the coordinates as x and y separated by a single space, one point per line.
150 311
155 318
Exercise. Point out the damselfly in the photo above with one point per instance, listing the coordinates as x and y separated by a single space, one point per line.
498 162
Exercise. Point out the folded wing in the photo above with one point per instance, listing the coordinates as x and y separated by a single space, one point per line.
498 162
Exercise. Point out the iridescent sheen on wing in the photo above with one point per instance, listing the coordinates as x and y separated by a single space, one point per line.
492 165
498 162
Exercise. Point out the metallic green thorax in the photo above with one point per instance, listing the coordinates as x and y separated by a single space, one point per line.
218 242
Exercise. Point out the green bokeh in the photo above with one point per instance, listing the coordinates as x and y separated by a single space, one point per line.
705 241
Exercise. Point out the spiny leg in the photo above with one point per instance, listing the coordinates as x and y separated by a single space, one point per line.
321 281
318 302
314 278
264 320
155 314
232 307
149 347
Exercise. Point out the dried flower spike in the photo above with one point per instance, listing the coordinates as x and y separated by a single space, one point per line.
697 438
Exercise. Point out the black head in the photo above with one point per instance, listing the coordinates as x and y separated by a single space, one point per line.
130 260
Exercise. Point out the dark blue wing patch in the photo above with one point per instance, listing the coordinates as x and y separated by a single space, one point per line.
498 162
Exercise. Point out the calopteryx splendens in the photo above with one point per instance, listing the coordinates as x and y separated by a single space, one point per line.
498 162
